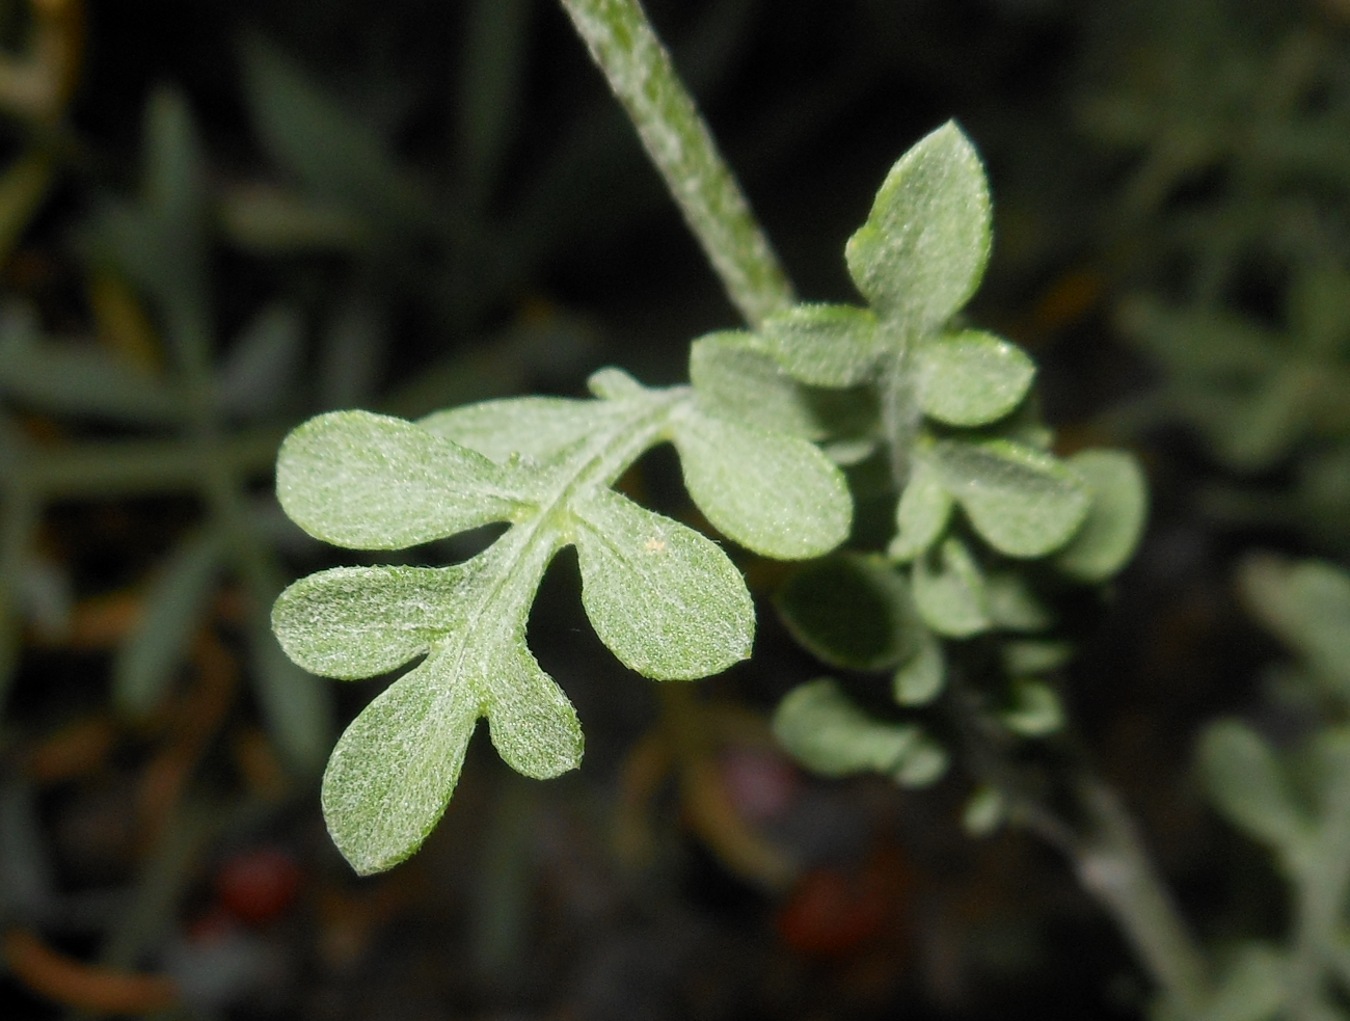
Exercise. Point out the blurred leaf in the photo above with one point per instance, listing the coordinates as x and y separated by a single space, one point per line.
334 155
949 591
1025 503
1115 521
823 729
922 514
850 610
79 378
173 610
23 187
1035 709
1248 785
491 83
1306 604
261 372
921 677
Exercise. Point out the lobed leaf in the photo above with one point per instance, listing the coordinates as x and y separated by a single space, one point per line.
922 251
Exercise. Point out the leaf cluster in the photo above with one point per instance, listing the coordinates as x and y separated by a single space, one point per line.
1293 797
988 520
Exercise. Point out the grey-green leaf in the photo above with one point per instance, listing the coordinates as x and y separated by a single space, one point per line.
352 622
393 770
539 428
850 610
533 724
824 345
921 253
775 494
824 730
922 512
971 378
949 591
1022 501
1307 604
1115 521
665 599
922 676
1035 709
369 481
1248 785
735 379
174 609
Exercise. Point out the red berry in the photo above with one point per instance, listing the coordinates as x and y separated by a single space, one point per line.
258 885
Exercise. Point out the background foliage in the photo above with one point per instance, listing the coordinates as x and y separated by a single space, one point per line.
218 219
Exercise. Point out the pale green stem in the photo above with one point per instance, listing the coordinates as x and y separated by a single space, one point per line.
639 71
1114 867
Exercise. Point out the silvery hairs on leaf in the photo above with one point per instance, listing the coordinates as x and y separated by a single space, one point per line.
665 599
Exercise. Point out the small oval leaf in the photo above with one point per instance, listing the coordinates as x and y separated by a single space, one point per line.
922 513
824 345
775 494
1022 501
369 481
1115 521
825 731
949 591
850 610
393 770
664 599
353 622
971 378
921 253
534 726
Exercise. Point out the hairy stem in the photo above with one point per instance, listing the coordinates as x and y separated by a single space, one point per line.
639 71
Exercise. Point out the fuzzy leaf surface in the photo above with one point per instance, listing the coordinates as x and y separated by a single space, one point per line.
824 345
666 600
922 251
1022 501
971 378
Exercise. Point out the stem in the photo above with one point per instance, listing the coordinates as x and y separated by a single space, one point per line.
1107 855
640 73
1114 867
